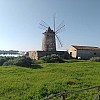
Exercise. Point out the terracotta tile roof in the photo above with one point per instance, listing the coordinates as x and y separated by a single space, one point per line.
86 47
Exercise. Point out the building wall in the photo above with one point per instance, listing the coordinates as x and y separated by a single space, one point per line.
72 52
33 54
38 54
87 54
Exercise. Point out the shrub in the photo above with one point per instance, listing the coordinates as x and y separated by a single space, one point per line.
96 59
45 58
2 60
39 61
52 59
8 63
23 61
5 59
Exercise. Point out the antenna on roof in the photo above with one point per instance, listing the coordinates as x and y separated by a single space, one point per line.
59 29
54 21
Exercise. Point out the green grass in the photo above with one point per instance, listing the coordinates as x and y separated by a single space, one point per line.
20 83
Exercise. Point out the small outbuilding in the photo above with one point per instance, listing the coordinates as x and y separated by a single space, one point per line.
83 52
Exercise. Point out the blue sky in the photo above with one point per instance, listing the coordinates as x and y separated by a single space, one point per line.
19 22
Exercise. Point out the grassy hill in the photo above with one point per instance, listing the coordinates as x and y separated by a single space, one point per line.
20 83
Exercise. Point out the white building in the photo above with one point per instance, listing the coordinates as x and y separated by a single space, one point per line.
83 52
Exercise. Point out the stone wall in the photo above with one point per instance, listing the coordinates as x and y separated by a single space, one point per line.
38 54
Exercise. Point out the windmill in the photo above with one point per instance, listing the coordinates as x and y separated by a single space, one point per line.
50 36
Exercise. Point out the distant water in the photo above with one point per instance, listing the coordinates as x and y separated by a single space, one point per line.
11 55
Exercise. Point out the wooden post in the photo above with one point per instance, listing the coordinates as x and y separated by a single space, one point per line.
63 97
99 92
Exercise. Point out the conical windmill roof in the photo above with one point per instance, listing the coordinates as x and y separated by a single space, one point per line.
49 29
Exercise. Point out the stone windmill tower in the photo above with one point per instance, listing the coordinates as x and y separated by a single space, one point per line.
50 36
48 40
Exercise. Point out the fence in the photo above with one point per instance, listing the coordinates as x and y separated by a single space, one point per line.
63 95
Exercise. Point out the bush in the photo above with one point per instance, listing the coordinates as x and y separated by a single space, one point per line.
96 59
23 61
2 60
5 59
52 59
45 58
39 61
8 63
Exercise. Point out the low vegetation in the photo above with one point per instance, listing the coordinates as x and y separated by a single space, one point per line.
21 83
23 61
95 59
52 59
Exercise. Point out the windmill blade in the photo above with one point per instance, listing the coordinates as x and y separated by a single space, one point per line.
63 29
58 40
42 26
60 29
44 23
61 24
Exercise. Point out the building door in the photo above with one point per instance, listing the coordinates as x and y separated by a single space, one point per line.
70 53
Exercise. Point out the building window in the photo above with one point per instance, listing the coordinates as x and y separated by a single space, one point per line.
94 53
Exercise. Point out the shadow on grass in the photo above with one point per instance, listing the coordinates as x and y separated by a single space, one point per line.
36 66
